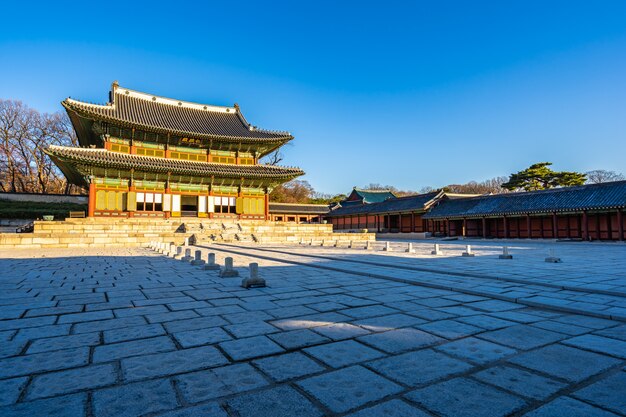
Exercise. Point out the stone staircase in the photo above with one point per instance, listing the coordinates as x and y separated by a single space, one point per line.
103 232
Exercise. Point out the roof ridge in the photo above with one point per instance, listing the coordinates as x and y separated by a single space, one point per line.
118 91
551 190
374 191
299 204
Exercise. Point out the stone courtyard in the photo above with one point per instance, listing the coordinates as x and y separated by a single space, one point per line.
337 332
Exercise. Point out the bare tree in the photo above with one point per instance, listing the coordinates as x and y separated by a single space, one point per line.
600 175
273 158
294 191
395 190
24 134
493 186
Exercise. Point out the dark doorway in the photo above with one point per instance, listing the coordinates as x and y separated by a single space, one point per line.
189 206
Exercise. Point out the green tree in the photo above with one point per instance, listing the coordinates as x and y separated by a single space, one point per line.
541 177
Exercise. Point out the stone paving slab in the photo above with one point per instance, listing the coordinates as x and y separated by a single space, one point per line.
462 397
183 342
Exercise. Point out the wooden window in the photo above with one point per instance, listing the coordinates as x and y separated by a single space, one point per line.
188 156
149 202
115 147
246 161
223 159
223 204
151 152
110 200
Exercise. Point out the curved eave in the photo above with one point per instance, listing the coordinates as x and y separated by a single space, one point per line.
66 157
85 111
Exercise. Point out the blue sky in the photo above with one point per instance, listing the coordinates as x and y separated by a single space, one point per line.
411 93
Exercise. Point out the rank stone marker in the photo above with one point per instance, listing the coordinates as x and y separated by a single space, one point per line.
179 252
350 244
468 251
187 257
198 258
553 259
211 265
387 248
253 280
505 253
172 251
228 271
410 249
436 251
368 246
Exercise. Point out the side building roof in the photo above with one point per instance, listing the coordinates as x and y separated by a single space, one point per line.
134 109
413 203
290 208
610 195
369 196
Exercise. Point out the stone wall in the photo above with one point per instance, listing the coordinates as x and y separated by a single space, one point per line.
44 198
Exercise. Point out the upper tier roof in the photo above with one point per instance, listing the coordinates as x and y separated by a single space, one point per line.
610 195
165 115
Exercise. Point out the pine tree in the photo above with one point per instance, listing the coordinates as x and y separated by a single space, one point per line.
540 176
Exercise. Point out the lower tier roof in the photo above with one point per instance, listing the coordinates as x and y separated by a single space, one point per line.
74 162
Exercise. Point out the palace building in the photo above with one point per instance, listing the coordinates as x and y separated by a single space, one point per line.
586 212
142 155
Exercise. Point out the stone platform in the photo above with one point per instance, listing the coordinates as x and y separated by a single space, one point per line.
125 331
133 232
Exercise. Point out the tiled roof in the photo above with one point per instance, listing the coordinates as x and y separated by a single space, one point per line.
610 195
374 196
298 208
145 111
105 158
414 203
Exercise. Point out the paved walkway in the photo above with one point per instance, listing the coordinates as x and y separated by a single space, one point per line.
590 281
128 332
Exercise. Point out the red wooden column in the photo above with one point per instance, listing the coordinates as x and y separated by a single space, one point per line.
505 224
555 226
585 226
529 227
92 200
168 191
484 228
447 227
412 222
620 224
267 206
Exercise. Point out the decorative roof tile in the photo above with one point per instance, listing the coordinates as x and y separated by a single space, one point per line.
289 208
610 195
146 111
105 158
413 203
370 196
